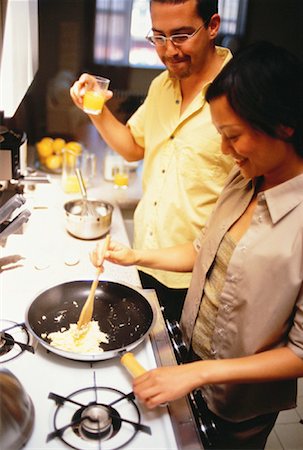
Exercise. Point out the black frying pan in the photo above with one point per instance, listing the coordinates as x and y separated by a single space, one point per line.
122 312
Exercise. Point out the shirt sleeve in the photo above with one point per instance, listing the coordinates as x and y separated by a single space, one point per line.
136 124
295 337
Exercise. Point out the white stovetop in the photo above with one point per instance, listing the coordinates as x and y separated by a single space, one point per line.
48 250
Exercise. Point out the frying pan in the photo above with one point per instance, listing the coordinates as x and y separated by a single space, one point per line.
122 312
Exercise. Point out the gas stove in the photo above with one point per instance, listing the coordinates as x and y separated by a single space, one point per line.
81 404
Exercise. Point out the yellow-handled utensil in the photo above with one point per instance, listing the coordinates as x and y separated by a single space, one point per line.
88 307
129 361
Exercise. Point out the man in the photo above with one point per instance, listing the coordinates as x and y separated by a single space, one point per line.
184 169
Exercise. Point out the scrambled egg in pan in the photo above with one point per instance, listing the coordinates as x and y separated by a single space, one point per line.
85 340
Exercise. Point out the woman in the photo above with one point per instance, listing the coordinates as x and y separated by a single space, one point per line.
243 315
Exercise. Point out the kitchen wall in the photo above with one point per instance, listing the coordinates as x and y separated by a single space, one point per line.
279 21
65 32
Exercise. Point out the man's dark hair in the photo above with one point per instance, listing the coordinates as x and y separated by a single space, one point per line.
205 8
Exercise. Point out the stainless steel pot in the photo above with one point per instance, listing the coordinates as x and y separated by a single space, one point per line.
123 313
84 225
16 412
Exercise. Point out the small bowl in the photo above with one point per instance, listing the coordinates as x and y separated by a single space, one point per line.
88 226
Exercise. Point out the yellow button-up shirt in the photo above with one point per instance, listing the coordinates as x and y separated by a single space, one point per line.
184 169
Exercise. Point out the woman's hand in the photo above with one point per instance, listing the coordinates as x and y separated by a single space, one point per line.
116 253
165 384
80 86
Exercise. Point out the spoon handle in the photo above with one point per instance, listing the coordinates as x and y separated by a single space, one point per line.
87 310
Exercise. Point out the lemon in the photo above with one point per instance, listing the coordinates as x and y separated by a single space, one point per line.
58 145
74 146
45 147
53 162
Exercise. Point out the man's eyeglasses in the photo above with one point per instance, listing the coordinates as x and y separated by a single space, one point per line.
176 39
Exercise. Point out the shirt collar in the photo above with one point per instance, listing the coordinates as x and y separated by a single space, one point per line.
283 198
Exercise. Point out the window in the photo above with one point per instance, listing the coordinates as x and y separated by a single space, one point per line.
121 27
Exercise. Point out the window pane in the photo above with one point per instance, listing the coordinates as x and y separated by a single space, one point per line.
112 5
141 52
110 43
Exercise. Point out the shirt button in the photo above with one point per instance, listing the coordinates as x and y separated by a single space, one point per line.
177 101
163 170
220 331
155 203
172 137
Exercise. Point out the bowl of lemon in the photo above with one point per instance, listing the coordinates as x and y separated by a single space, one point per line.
50 152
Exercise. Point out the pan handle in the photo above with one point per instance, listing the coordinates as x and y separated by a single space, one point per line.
129 361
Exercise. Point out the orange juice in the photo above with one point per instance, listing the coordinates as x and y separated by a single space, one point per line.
121 179
70 184
93 102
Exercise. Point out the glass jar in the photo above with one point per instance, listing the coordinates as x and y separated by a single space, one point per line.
71 161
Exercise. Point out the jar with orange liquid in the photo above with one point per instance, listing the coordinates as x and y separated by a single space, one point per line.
71 161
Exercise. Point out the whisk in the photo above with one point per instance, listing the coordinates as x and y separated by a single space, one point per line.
88 208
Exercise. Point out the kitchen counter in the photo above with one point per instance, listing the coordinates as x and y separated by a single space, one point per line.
52 256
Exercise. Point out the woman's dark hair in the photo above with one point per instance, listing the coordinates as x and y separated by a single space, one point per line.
263 85
205 8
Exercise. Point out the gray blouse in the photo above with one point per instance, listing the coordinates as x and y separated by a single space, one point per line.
261 303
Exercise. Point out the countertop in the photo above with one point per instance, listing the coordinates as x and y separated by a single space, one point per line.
46 244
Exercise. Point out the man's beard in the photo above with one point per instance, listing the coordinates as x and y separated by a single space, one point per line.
180 75
184 72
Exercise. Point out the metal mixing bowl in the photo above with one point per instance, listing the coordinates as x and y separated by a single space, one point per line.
88 223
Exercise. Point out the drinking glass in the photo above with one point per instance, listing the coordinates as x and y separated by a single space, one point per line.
94 97
121 176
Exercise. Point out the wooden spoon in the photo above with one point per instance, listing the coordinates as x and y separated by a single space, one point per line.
88 307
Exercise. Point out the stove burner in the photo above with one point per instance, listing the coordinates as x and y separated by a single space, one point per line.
96 417
97 422
14 339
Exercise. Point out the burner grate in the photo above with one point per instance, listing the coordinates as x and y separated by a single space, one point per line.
96 417
14 340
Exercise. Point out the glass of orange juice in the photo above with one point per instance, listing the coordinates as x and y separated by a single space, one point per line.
121 176
94 97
